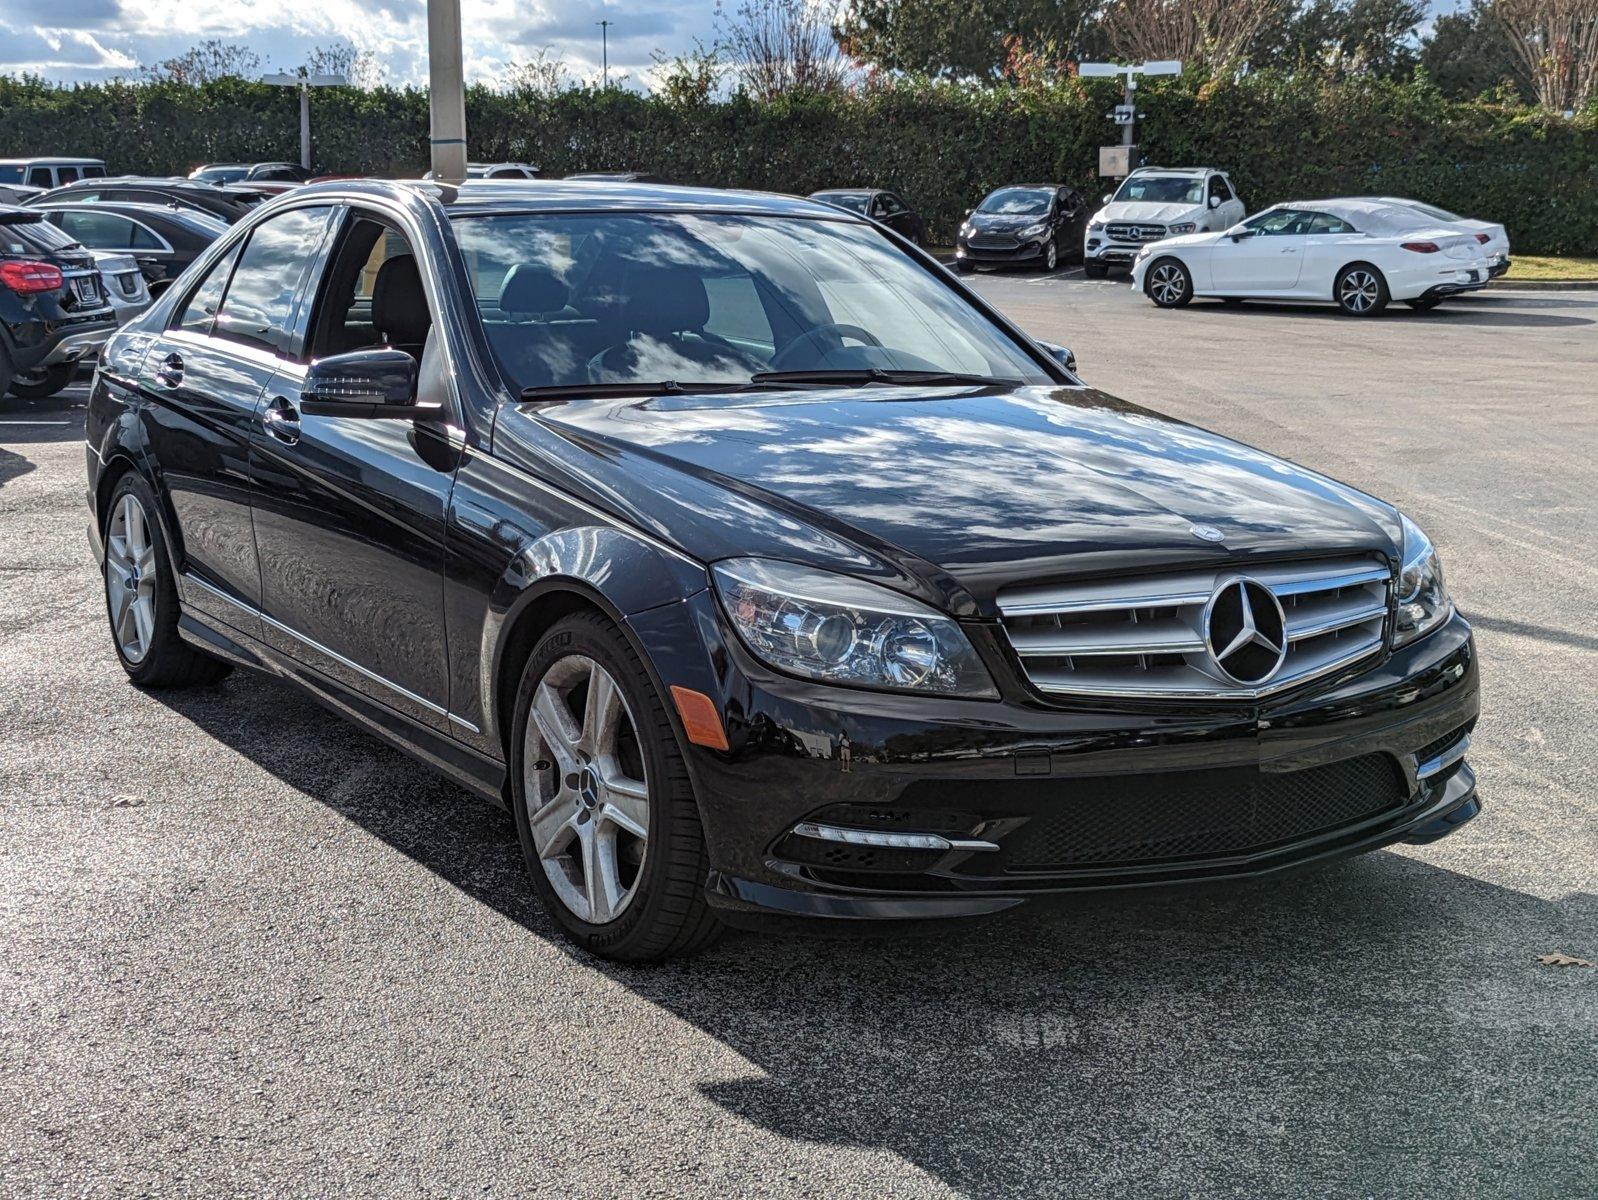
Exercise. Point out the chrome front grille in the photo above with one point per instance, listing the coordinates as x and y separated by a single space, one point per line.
1147 636
1127 231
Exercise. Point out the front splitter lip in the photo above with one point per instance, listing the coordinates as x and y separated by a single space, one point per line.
1453 807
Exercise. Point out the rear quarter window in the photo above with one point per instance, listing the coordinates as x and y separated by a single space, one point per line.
34 237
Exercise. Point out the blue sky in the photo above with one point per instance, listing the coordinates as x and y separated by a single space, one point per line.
71 40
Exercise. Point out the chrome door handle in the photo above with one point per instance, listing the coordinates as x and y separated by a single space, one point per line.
282 421
170 370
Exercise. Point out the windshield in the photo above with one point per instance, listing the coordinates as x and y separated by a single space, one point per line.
575 299
1017 201
1163 189
853 201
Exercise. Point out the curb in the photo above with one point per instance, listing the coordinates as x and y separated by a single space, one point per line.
1546 285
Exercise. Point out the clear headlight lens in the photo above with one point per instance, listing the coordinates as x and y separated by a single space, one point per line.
1423 601
839 630
967 229
1095 226
1184 227
1037 230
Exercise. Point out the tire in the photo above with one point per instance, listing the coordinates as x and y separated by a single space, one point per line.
38 385
962 267
1360 290
5 370
645 900
1168 283
1094 270
1051 257
1424 304
148 647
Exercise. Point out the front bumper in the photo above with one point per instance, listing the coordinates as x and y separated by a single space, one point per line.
998 256
1099 249
983 771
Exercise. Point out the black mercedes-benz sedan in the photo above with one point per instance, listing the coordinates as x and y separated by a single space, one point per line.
755 564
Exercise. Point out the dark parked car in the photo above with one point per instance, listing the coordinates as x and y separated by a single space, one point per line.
275 172
1034 223
887 208
163 240
226 204
757 565
53 307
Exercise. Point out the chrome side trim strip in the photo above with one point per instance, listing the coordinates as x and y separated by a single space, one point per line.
365 672
1444 760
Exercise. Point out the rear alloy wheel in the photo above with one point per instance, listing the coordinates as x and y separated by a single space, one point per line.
606 815
42 383
1361 291
1168 284
141 600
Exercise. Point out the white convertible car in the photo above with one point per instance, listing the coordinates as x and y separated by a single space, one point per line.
1357 254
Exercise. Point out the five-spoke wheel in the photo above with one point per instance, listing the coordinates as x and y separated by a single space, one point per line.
587 789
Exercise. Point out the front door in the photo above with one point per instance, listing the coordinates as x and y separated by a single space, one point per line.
1265 261
349 513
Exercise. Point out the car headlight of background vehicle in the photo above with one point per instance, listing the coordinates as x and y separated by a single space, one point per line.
1095 226
1423 600
835 629
967 229
1038 230
1184 227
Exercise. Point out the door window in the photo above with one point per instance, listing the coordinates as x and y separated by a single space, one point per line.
99 230
94 172
66 175
198 315
40 177
1280 222
261 301
1323 223
344 318
1070 201
891 205
1218 189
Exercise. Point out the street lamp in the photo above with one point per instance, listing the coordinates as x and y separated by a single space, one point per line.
604 48
1125 114
305 82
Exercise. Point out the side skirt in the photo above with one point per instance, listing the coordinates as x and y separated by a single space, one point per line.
476 772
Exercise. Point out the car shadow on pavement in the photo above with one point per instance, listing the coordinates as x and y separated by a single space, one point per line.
1379 1028
1457 312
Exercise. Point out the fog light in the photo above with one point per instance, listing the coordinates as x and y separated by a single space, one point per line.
896 841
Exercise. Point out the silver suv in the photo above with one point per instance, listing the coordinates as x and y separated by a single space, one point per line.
1154 203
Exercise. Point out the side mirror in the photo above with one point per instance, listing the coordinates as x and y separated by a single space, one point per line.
363 383
1061 355
1238 232
1215 202
1106 199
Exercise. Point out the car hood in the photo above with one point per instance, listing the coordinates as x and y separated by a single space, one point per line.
949 495
1149 210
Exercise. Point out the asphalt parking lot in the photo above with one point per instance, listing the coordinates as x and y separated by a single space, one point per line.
246 950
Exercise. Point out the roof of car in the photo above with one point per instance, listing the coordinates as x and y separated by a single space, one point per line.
1153 170
132 208
577 195
847 191
50 160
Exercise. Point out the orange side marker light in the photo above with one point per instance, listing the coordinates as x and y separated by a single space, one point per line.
700 720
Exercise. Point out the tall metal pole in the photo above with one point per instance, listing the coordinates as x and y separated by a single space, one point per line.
1126 98
604 48
447 90
305 125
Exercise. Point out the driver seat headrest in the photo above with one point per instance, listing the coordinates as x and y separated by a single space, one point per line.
531 288
399 304
662 299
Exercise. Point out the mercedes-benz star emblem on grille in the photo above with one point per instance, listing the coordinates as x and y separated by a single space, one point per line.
1246 631
1206 533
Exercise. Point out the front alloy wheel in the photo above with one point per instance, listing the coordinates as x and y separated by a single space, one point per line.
605 811
1168 284
587 790
1051 255
1361 291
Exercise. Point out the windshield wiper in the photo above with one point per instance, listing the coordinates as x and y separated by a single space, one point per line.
641 387
907 378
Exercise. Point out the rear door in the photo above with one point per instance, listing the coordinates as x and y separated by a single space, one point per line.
349 512
203 378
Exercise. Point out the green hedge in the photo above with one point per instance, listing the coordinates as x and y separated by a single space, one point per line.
942 145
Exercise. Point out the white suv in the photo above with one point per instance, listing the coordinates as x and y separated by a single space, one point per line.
1154 203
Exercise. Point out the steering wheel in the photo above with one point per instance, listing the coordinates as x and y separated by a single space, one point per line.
837 330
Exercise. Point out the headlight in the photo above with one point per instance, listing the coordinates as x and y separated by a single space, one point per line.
967 229
1185 227
1423 601
840 630
1038 230
1095 226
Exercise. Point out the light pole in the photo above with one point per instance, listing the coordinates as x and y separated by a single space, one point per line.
1125 114
446 91
305 81
604 48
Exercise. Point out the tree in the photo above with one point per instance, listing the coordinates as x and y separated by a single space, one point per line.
209 61
1468 54
782 47
543 74
1555 43
1346 37
689 79
966 39
360 67
1216 34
